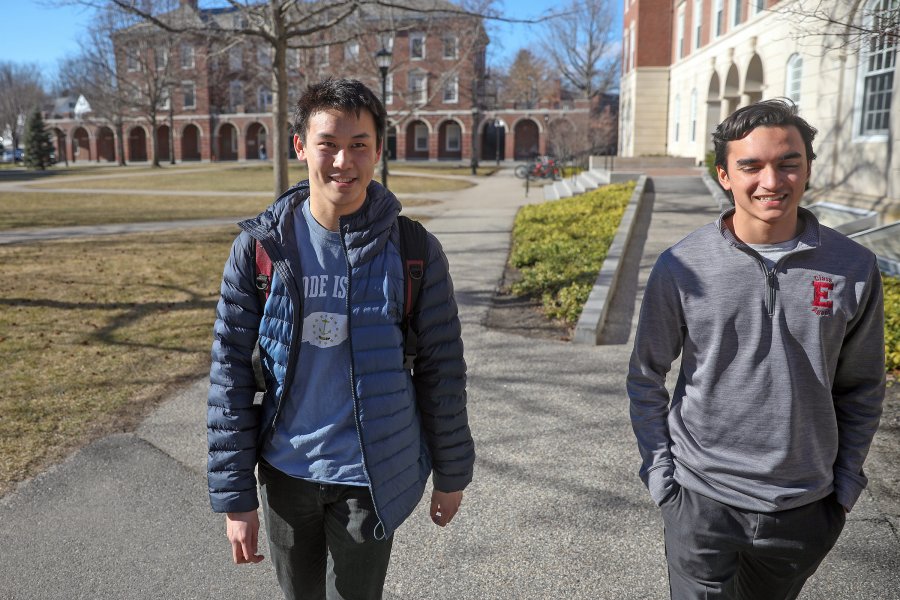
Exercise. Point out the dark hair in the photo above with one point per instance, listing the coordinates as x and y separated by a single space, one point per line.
778 112
345 95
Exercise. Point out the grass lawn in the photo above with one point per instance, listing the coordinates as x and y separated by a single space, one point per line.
93 331
444 170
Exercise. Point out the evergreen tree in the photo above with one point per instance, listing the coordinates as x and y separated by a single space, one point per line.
38 145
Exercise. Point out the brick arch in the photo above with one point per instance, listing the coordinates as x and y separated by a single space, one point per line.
450 139
81 144
227 142
418 141
137 144
106 144
255 137
526 139
190 142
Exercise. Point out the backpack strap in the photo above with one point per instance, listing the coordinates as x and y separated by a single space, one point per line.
413 241
262 279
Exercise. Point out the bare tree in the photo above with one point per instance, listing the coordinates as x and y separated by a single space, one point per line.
851 24
582 46
22 93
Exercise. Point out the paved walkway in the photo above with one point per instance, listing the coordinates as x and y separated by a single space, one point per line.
555 511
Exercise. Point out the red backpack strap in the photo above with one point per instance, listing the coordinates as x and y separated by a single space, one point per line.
263 276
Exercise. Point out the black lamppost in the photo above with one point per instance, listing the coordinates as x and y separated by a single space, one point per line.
498 124
383 60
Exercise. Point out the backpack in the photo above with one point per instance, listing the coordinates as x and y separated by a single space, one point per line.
413 241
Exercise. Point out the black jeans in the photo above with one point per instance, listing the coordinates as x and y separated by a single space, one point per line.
321 538
717 551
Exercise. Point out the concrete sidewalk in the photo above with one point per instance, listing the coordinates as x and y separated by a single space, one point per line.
555 511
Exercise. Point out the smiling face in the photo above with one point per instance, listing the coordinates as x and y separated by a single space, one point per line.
340 152
767 174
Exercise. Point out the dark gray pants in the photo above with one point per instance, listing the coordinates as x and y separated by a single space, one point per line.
321 538
717 551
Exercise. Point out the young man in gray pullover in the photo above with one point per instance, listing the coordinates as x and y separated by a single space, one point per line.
779 322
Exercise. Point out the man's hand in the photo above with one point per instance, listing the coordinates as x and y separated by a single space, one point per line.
444 506
243 533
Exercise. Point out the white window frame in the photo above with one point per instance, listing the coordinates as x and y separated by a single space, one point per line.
694 115
679 38
351 50
757 6
792 77
417 128
418 94
263 98
718 17
676 120
450 93
389 89
185 86
187 56
697 18
235 94
417 41
450 42
448 138
235 58
878 66
131 58
321 55
161 58
264 56
164 99
736 6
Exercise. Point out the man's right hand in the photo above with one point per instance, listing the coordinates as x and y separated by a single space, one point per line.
243 533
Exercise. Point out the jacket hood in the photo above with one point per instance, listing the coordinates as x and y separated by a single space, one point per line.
365 231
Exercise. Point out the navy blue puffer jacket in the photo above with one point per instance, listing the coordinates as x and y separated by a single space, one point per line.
409 426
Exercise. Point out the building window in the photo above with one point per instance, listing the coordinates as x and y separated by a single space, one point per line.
321 56
878 61
263 57
161 56
187 56
758 6
418 88
389 89
188 97
420 135
451 90
351 51
694 115
736 12
264 98
719 17
453 137
235 95
235 58
451 47
417 45
164 99
697 16
677 117
680 37
792 80
131 59
296 58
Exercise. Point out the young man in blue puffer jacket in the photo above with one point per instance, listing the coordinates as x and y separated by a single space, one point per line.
345 438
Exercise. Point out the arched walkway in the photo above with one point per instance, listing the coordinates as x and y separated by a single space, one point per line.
190 143
493 140
137 144
713 109
753 82
81 145
417 140
527 140
450 141
59 148
731 95
106 144
162 142
228 142
256 140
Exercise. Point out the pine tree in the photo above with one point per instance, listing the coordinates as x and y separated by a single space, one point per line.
38 144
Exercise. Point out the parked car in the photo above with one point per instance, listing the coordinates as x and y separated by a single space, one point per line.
7 156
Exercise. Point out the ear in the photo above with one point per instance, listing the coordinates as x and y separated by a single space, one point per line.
723 177
299 148
380 150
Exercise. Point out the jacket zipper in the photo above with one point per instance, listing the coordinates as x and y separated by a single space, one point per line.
355 398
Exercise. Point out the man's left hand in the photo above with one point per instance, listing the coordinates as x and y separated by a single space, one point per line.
444 506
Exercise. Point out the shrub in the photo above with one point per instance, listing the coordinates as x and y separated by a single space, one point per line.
892 323
559 247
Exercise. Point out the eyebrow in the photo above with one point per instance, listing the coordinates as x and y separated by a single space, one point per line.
749 161
358 136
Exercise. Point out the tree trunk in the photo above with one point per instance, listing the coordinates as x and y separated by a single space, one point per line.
120 143
280 136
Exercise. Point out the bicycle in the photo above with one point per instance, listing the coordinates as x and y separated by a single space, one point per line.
544 167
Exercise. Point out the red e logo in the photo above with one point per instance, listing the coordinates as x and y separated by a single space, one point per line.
821 293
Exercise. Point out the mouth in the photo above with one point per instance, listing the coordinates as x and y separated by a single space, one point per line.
771 198
343 180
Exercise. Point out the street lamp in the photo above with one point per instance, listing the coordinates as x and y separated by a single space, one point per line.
383 59
497 125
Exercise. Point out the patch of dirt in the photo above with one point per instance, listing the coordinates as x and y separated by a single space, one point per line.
522 316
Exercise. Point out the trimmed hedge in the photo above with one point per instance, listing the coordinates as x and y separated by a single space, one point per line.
559 247
892 324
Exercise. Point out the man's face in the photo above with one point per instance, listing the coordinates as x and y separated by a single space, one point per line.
340 152
767 175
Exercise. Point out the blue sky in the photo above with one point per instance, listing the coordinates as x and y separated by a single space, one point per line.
43 32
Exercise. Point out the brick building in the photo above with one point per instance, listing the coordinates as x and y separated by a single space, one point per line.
687 64
212 100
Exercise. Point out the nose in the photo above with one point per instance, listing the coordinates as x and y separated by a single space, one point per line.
769 178
341 158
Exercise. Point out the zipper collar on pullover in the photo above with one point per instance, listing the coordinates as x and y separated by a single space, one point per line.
810 236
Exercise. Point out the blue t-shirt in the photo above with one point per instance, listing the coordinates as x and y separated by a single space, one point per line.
316 438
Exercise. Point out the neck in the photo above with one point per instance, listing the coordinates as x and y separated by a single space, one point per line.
760 232
329 215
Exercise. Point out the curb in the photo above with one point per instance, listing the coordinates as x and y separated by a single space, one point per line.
717 192
593 315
